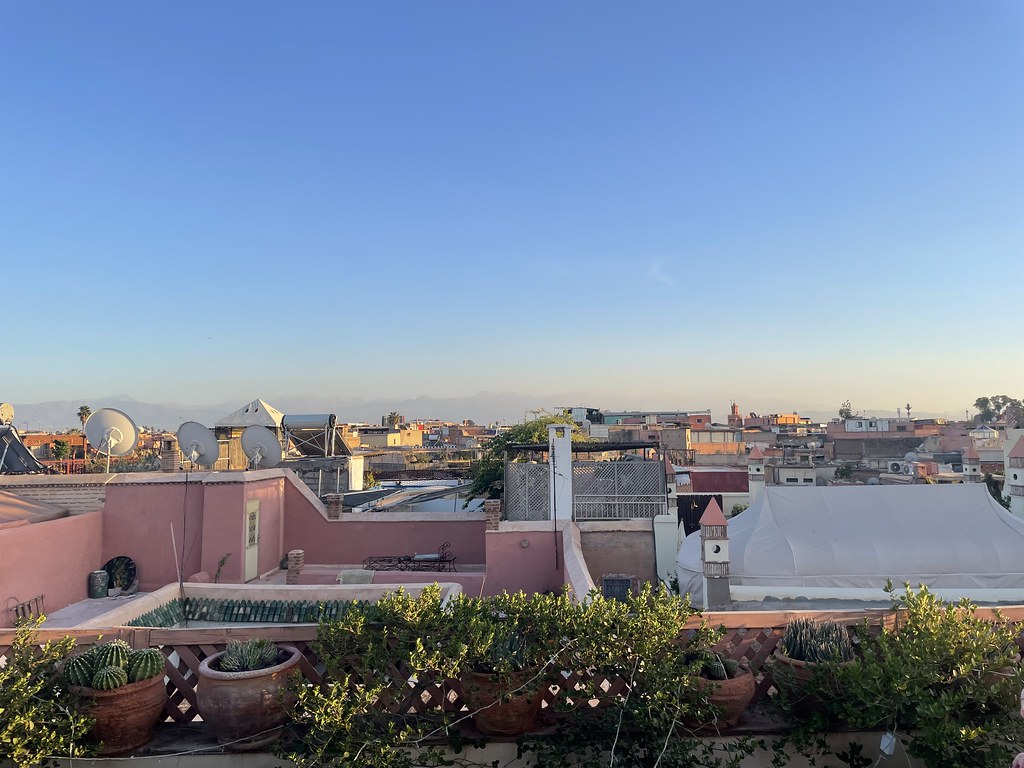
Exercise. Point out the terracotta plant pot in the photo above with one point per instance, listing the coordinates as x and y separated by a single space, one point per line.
124 716
496 710
246 710
793 677
732 696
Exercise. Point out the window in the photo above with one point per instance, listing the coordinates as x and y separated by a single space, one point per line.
808 479
791 480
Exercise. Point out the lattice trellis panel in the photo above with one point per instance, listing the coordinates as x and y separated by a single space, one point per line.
527 492
748 637
618 490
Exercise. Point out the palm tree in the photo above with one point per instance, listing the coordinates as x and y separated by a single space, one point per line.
84 412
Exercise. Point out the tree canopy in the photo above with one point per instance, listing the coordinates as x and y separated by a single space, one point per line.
489 472
992 407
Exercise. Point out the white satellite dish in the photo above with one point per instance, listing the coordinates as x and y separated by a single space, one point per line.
111 433
198 444
261 446
6 413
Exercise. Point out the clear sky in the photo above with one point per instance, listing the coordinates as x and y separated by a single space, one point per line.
664 201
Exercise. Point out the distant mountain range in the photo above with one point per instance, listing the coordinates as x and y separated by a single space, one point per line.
483 408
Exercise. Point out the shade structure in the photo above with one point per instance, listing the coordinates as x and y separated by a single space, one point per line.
856 537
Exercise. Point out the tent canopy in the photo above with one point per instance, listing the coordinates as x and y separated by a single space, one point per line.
948 536
257 413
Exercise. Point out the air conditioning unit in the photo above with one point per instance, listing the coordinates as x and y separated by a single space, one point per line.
895 466
908 469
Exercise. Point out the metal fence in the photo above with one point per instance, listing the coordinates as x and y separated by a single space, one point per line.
602 490
618 490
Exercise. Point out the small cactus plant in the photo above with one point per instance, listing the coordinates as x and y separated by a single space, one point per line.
254 653
816 642
112 654
108 678
144 664
714 666
78 670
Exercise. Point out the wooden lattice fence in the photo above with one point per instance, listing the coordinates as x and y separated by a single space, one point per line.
748 637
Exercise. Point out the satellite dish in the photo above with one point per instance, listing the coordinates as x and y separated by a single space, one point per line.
261 446
111 433
6 413
198 444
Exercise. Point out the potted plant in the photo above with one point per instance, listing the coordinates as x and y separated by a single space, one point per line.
243 691
122 690
810 651
502 680
728 686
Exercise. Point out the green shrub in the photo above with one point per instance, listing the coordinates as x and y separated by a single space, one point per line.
37 715
943 678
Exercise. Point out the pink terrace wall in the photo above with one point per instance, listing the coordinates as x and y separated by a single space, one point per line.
224 526
52 559
533 568
138 518
347 542
208 519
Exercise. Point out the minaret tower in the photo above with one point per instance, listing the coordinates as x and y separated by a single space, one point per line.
972 466
1014 474
714 555
755 474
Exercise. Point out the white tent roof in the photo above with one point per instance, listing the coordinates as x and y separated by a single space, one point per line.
948 537
257 412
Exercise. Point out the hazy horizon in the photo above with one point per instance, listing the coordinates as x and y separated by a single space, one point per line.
482 407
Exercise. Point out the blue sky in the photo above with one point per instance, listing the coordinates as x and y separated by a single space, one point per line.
659 204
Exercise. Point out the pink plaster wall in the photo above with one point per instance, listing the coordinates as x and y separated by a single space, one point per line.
223 530
348 542
512 567
53 559
138 520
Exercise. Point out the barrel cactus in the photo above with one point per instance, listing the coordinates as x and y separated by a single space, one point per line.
713 668
108 678
112 654
78 670
144 664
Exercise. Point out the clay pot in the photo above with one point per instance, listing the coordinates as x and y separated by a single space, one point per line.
246 710
497 711
124 716
794 677
732 696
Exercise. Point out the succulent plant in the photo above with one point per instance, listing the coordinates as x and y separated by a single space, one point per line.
108 678
112 654
254 653
823 641
714 666
78 670
144 664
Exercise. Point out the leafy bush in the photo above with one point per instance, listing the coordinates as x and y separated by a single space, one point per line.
37 715
380 658
943 678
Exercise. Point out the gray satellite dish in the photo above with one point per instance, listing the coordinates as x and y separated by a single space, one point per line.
198 444
111 433
261 446
6 413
